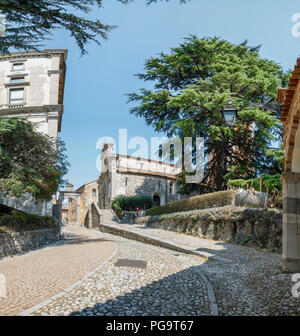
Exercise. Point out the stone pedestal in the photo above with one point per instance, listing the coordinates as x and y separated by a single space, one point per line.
291 222
57 213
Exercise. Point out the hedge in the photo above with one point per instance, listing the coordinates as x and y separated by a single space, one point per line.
131 203
216 199
25 222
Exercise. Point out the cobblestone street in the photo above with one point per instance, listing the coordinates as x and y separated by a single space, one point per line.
83 276
36 276
168 286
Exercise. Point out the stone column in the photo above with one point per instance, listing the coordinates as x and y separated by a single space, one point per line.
57 213
291 222
78 211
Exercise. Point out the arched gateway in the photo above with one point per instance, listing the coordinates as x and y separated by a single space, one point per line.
290 99
74 203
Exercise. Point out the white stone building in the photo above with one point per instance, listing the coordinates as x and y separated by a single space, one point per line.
124 175
32 87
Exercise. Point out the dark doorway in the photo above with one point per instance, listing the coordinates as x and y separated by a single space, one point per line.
156 200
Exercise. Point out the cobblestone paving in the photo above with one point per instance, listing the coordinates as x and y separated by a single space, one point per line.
253 284
36 276
220 248
168 286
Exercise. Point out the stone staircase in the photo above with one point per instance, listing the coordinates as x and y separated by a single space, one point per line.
107 217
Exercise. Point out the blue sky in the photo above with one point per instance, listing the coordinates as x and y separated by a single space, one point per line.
95 101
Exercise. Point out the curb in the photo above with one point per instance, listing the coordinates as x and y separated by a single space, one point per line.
112 229
69 288
214 311
210 291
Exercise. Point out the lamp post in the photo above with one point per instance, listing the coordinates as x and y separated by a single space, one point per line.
229 114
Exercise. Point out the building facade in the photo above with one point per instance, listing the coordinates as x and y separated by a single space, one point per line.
124 175
88 195
75 203
289 98
121 176
32 87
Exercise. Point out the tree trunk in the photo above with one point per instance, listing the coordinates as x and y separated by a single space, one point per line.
220 165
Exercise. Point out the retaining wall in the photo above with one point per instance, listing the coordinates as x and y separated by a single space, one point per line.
252 227
18 243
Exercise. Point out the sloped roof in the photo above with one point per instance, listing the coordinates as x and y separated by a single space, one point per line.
286 96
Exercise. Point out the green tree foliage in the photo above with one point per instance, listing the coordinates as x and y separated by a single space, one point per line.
30 22
194 82
266 183
29 161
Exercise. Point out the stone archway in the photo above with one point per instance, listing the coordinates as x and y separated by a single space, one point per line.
157 200
73 196
290 99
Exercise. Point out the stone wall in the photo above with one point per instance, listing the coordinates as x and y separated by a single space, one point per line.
18 243
145 185
28 204
252 227
88 195
92 218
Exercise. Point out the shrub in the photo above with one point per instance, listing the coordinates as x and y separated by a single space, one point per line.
131 203
216 199
117 209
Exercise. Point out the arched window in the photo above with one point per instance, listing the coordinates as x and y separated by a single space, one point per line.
160 152
94 192
156 200
172 153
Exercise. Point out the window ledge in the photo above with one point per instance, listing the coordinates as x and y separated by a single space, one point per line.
16 84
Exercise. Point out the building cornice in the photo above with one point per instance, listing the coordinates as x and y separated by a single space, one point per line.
20 56
31 109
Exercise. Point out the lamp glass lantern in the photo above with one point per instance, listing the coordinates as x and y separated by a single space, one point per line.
229 115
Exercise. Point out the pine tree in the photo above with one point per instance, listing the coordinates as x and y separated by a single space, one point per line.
29 23
191 86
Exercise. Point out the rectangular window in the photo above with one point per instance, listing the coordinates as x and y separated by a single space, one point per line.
16 96
17 79
171 188
18 66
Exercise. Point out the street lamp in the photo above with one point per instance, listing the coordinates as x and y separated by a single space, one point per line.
229 114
